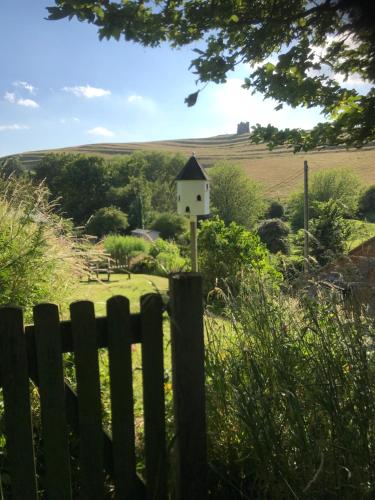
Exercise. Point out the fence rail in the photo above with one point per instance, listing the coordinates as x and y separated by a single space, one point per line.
35 353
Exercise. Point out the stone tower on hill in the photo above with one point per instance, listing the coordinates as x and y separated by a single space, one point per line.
243 128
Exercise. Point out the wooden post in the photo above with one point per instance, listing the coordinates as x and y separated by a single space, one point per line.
306 216
187 339
194 243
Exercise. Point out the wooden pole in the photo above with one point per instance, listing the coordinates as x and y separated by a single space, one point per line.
187 340
306 216
194 243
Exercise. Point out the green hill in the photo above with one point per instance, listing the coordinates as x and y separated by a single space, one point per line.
279 170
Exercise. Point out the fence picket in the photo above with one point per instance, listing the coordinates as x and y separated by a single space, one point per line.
153 396
120 368
89 401
188 385
15 382
52 399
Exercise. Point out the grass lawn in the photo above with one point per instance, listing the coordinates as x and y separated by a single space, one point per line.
133 289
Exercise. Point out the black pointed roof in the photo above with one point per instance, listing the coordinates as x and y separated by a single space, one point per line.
192 171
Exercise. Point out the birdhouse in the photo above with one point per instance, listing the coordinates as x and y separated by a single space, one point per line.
193 190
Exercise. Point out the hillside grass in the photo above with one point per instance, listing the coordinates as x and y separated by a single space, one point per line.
280 171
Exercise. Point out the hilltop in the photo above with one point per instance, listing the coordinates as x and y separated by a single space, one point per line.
279 170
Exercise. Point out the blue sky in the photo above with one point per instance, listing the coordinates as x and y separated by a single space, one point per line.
60 86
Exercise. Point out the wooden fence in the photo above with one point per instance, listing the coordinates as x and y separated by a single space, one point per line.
35 353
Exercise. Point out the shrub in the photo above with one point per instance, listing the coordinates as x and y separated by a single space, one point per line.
123 248
330 232
290 397
367 201
274 234
166 258
275 210
170 225
341 185
227 253
107 220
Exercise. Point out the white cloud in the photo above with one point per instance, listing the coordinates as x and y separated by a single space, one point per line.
10 97
87 91
101 131
74 119
14 126
135 98
28 103
25 85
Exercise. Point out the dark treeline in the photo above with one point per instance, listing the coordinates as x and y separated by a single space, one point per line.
141 185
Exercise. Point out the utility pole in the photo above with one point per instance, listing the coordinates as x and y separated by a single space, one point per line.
306 217
194 243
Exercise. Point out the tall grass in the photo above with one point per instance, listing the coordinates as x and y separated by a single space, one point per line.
291 393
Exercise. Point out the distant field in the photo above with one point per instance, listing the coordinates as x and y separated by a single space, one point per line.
279 170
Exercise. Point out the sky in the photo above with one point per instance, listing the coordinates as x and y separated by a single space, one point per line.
60 86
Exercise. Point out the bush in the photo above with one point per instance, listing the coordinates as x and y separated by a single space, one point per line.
124 248
227 253
107 220
166 258
274 234
275 210
367 201
290 397
330 232
169 225
341 185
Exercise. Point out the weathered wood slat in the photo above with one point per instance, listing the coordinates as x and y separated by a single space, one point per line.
52 399
15 381
121 379
187 340
153 396
101 333
89 402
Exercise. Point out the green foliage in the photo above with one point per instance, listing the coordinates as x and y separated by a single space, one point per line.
166 258
227 253
79 182
275 210
330 232
320 45
290 389
11 166
107 220
169 225
138 184
235 197
341 185
38 261
274 234
367 201
123 248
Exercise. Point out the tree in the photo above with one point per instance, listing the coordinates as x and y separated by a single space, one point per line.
11 166
274 234
107 220
330 232
169 225
317 43
235 197
367 202
341 185
276 210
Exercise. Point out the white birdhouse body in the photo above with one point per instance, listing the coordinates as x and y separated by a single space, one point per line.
193 190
